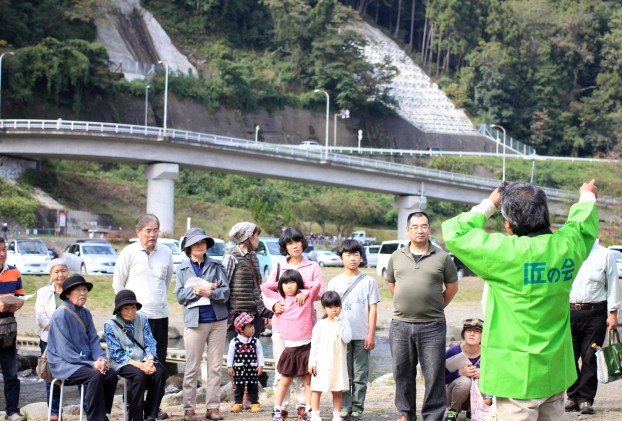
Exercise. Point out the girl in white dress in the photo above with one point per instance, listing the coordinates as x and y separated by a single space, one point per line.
327 359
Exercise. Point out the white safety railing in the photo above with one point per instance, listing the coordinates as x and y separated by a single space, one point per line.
158 134
512 144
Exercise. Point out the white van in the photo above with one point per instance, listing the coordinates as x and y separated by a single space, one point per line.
384 254
30 256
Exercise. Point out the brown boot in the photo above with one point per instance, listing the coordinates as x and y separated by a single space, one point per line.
190 415
213 414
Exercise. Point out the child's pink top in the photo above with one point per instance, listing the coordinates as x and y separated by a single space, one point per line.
311 274
296 322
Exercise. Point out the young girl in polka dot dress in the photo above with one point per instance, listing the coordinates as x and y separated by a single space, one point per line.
245 362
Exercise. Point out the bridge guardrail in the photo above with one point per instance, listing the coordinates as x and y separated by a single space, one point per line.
158 134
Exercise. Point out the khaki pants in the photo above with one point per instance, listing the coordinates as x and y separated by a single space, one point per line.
542 409
459 394
195 338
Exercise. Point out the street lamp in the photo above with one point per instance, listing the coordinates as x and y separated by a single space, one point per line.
344 114
146 105
165 95
501 127
2 55
327 118
256 132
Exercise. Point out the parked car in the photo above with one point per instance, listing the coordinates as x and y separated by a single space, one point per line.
269 254
308 251
371 253
90 258
384 254
326 258
178 254
217 251
362 237
617 254
30 256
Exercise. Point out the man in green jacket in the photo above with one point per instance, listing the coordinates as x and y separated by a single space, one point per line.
527 356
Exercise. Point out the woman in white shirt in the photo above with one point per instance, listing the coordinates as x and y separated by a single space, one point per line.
48 299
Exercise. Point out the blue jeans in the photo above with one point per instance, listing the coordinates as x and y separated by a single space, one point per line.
423 343
8 363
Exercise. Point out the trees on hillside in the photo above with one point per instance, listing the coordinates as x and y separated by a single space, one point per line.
544 69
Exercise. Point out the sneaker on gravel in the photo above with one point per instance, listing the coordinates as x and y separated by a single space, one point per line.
356 416
452 415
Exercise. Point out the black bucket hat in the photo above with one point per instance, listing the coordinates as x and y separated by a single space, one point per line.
72 282
123 298
193 236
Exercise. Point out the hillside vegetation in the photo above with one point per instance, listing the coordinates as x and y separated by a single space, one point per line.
549 71
217 201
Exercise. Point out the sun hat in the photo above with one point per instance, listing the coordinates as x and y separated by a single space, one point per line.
72 282
123 298
242 320
193 236
242 231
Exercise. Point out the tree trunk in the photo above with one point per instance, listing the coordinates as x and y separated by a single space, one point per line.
423 40
446 61
430 43
438 52
399 18
412 27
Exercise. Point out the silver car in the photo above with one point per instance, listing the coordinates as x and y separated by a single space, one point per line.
89 258
325 258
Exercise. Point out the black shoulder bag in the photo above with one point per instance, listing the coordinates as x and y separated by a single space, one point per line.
127 332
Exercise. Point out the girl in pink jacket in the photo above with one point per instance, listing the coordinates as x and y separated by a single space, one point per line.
296 326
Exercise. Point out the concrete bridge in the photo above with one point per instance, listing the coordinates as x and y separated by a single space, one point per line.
164 152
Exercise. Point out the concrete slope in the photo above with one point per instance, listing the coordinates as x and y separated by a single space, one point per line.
136 42
421 102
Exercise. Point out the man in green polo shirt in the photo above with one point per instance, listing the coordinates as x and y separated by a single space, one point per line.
527 357
422 279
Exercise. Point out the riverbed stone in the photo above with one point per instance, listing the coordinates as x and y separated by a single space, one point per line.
36 410
173 333
384 380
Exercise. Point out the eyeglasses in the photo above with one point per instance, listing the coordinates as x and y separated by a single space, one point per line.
151 231
473 329
423 227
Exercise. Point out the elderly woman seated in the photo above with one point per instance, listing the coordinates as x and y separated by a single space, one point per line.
132 351
74 351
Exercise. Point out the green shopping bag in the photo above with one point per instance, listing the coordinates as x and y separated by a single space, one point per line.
609 359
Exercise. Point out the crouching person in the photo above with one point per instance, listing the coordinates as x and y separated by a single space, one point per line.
132 351
74 351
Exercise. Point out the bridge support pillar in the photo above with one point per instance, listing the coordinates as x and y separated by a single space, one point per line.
161 193
405 205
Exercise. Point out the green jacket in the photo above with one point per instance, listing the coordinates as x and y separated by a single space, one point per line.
526 343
